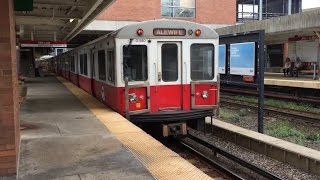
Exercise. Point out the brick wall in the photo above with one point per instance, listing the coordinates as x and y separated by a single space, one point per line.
9 107
207 11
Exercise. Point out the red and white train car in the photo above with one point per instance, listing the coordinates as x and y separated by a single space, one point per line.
161 71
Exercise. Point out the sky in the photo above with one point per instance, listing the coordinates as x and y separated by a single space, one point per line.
306 4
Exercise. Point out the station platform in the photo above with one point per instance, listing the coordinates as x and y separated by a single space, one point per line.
67 134
304 81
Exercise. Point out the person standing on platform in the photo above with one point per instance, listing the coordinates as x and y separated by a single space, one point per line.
287 67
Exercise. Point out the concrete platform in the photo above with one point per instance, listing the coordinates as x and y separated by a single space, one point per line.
277 79
299 156
70 135
62 139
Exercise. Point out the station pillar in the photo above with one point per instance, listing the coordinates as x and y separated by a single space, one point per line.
9 105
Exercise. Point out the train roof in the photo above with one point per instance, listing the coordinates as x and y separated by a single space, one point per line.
130 31
149 27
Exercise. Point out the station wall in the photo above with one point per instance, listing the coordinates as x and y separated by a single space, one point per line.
306 50
9 104
207 11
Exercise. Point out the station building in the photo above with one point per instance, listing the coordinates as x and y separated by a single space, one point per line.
215 14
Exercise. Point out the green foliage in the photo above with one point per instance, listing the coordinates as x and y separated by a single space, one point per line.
243 112
283 129
314 137
228 115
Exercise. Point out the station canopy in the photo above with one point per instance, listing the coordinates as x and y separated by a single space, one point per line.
55 20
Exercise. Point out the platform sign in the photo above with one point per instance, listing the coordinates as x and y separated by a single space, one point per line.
242 59
222 59
53 44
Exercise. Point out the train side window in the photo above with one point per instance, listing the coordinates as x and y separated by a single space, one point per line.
135 65
85 64
202 61
102 65
72 64
169 62
111 68
81 64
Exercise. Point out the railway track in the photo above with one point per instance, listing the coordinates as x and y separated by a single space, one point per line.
185 143
272 94
306 117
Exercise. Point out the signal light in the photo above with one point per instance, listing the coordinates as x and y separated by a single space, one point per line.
198 32
140 32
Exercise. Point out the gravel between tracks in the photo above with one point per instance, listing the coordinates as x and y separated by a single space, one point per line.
250 122
282 170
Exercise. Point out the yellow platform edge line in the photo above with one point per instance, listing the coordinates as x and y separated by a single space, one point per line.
160 161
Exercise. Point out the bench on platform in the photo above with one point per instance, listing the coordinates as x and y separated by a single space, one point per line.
307 68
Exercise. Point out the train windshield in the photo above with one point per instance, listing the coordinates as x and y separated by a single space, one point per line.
202 61
135 65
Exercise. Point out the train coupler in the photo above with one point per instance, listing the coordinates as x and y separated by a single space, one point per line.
174 129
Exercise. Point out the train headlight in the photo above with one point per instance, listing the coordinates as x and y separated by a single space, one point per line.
197 32
133 98
204 94
140 32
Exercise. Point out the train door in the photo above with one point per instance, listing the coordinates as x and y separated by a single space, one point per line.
169 78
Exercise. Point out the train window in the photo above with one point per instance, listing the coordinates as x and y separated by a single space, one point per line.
102 65
83 64
135 65
111 72
169 62
72 64
202 61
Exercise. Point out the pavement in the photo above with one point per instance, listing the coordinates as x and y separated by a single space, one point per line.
62 139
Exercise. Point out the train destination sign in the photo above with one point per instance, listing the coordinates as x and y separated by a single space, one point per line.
169 32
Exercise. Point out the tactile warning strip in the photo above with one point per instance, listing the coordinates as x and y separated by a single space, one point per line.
160 161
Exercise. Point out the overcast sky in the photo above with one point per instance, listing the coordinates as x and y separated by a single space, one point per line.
306 4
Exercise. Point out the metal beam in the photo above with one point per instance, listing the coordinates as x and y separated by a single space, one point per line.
52 14
260 10
94 11
289 7
27 20
59 3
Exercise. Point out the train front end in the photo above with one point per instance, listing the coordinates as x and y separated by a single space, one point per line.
168 74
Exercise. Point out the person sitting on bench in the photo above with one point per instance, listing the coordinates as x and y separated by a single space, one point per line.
297 67
287 67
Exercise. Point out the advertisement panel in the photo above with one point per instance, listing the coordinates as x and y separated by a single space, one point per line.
222 59
242 58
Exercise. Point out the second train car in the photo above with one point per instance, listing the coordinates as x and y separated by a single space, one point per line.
159 72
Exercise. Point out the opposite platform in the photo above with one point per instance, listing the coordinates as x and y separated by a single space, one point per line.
277 79
64 140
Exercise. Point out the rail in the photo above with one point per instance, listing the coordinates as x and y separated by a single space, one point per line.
224 153
307 117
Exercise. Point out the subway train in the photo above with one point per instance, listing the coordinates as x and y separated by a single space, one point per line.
160 73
